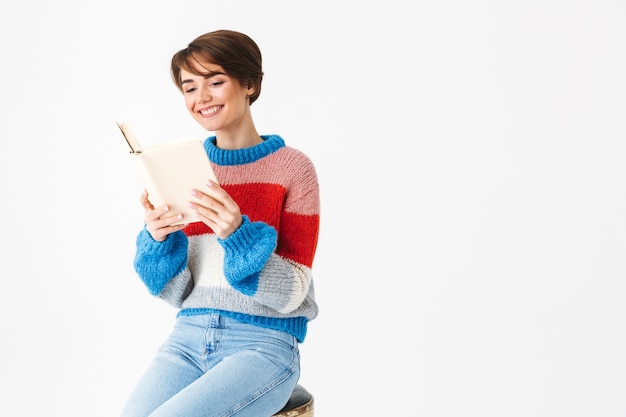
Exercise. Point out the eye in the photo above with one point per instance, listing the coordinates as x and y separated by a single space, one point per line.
216 83
190 90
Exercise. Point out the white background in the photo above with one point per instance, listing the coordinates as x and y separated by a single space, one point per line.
471 161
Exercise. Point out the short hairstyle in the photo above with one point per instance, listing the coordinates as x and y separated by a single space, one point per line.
236 52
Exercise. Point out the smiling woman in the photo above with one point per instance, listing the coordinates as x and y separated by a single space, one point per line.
240 273
206 95
214 70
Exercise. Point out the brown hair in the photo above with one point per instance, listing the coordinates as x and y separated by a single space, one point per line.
236 52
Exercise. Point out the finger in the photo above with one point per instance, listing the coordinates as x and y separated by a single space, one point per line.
162 226
158 213
161 234
145 203
213 201
216 192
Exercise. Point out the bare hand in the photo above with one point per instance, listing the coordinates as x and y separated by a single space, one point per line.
159 220
218 210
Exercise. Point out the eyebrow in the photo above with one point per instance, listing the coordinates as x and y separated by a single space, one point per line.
208 75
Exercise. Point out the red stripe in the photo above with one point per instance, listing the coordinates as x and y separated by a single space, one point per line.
298 233
260 202
298 237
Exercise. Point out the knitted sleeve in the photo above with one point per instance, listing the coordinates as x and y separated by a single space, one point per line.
274 267
157 263
247 251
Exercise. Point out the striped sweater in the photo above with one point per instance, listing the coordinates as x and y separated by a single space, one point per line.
260 274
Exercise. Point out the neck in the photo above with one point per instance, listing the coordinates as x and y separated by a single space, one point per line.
242 135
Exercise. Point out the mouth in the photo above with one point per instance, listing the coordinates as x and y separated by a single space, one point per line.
209 111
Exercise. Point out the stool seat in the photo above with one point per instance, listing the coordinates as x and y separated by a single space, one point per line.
300 404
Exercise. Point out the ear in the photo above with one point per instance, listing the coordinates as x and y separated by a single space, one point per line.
251 89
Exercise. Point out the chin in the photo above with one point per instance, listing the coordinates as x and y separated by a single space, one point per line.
208 126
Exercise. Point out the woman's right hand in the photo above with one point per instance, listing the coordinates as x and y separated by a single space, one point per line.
158 222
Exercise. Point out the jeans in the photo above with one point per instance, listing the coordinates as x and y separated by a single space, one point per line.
214 366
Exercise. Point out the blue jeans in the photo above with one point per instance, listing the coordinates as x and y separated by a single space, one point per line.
214 366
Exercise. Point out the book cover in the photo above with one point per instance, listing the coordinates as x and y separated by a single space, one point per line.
170 171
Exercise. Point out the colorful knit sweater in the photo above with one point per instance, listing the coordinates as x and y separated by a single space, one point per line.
261 274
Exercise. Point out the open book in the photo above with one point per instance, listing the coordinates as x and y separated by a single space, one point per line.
170 171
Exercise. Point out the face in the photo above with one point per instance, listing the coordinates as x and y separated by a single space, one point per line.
217 102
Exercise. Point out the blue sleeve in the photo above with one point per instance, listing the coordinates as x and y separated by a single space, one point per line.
247 251
157 263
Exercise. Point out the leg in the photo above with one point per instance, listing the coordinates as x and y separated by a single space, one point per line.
229 369
239 386
171 370
249 372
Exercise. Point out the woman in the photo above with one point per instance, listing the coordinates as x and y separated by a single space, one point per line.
240 271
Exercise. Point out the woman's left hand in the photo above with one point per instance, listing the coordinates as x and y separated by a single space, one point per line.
218 210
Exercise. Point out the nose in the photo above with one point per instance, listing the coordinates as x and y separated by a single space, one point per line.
204 94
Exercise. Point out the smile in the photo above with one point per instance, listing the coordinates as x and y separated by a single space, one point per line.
210 110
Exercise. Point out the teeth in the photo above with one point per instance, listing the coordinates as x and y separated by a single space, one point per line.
210 110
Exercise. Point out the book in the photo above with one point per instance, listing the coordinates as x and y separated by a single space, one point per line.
170 171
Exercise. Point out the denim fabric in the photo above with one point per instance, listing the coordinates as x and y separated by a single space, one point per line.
214 366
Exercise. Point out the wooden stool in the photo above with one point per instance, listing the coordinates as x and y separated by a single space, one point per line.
300 404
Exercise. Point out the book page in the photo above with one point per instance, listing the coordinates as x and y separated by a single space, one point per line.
169 172
132 141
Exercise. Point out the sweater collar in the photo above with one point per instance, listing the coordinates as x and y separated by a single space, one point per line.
270 144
